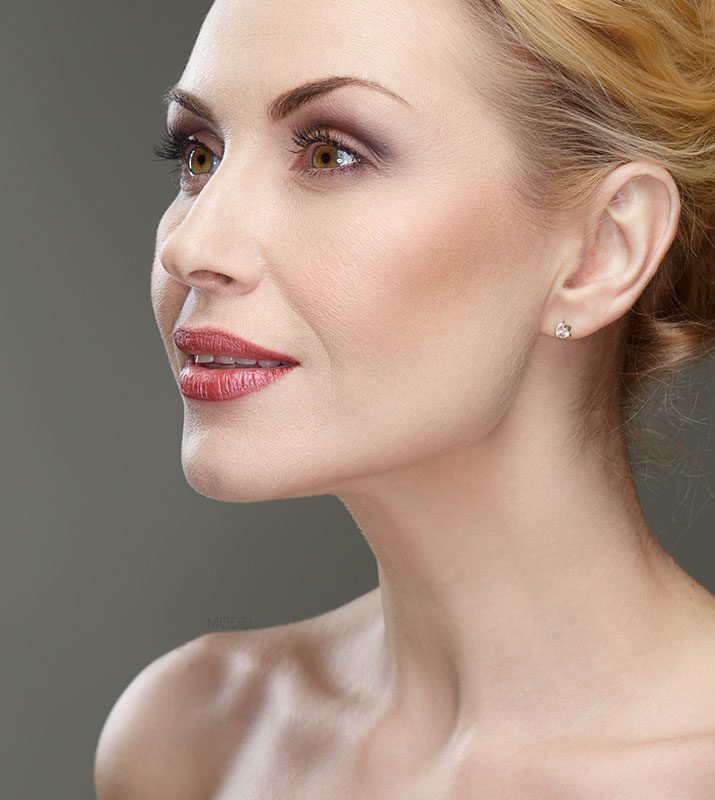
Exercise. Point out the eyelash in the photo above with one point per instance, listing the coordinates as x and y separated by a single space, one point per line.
174 144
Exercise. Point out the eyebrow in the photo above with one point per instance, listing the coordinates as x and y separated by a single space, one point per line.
287 102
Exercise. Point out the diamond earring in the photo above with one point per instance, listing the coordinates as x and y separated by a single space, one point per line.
562 331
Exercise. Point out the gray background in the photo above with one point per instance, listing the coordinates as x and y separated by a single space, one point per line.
109 558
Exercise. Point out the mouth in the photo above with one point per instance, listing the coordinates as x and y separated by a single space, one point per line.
212 348
213 361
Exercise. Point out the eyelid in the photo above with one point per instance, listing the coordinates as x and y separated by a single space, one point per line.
198 138
179 124
321 134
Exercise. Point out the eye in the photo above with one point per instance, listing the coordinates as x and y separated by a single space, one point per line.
193 158
201 159
175 145
330 156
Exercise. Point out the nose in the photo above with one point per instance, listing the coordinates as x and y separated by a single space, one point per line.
211 248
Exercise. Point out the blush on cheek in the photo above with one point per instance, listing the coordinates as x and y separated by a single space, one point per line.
436 258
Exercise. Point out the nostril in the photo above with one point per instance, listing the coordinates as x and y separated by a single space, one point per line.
208 276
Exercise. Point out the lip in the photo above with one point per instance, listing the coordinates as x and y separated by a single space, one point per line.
223 343
199 382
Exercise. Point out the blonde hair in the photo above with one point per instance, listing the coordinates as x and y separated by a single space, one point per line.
598 83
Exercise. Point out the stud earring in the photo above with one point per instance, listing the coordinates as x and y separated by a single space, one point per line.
562 331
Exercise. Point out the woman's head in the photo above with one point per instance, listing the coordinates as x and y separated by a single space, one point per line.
418 272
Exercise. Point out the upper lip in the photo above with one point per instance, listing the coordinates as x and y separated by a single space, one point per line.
223 343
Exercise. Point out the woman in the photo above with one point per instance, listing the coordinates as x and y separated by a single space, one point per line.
460 238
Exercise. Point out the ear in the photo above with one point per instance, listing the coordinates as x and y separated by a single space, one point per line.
630 225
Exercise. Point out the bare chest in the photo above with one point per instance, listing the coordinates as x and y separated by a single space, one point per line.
314 759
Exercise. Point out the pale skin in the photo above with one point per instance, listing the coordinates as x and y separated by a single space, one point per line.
528 633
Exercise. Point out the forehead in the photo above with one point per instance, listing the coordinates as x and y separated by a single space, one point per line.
248 51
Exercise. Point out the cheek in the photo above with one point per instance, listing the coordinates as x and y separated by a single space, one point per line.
423 302
167 295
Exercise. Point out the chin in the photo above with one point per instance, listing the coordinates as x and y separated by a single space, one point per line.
248 480
215 480
279 465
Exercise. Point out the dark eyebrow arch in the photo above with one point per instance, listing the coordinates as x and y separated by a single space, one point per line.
287 102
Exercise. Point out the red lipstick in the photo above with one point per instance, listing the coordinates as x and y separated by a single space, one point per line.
214 381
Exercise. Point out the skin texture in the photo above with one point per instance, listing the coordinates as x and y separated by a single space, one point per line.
528 633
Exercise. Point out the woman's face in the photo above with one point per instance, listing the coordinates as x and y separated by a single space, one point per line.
408 288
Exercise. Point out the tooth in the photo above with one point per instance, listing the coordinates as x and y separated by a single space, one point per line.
245 360
224 359
269 363
203 358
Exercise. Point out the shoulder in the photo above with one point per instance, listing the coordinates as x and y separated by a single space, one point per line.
181 724
160 739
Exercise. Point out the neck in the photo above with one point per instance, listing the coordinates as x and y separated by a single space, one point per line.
519 584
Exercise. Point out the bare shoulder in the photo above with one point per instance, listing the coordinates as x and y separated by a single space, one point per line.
163 737
179 729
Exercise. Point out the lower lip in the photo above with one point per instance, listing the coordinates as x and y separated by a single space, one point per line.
201 383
